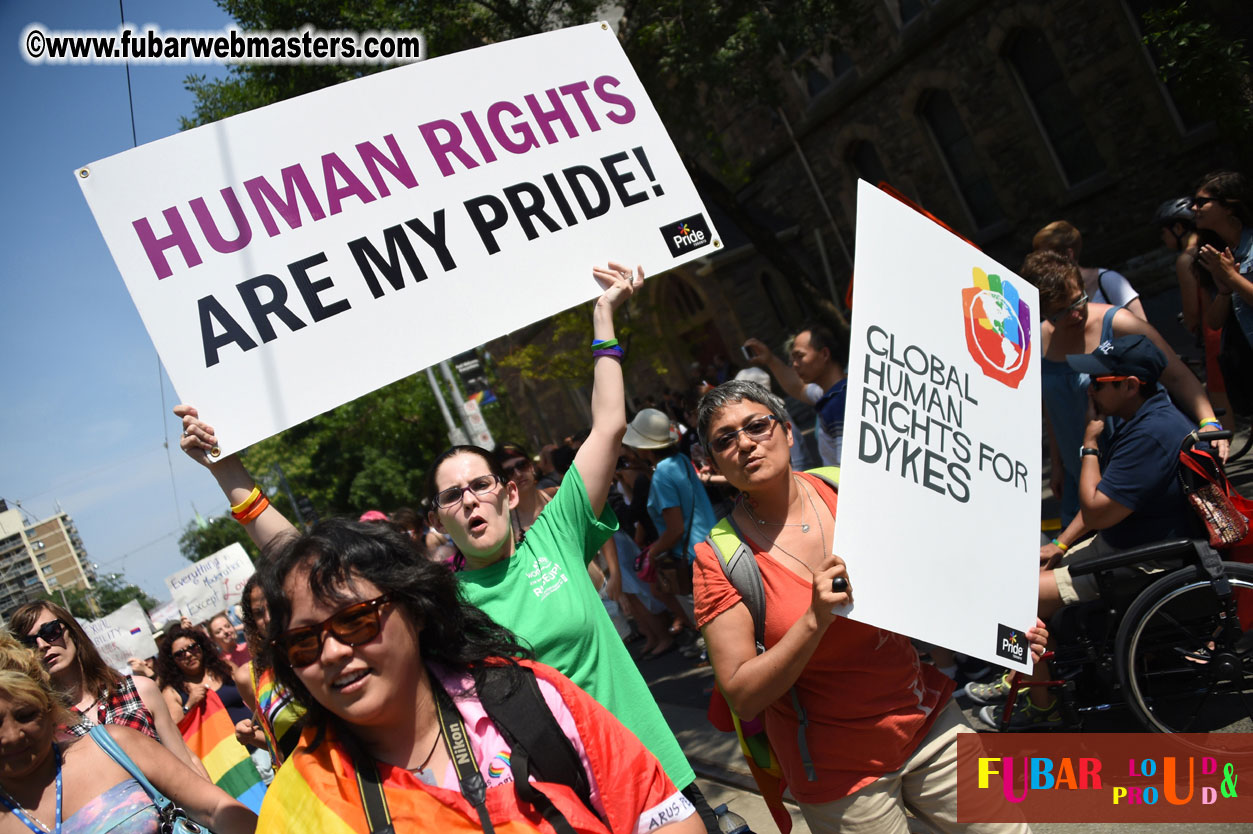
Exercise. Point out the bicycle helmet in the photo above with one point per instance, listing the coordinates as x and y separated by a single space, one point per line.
1178 210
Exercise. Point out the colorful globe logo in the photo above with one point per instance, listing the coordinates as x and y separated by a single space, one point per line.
998 328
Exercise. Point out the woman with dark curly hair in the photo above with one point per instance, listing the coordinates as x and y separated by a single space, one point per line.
199 687
276 720
94 692
391 661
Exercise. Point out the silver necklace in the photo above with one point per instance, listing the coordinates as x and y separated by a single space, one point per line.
821 531
762 522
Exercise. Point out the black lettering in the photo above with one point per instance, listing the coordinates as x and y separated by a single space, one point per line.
959 477
260 311
526 213
909 461
868 432
619 179
485 226
559 197
932 478
211 312
435 238
309 289
875 330
398 246
573 175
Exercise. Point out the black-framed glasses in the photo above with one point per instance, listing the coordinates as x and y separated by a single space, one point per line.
352 625
757 429
49 632
187 651
1078 304
1199 201
482 485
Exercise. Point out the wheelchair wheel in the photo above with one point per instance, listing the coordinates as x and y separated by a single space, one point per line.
1181 668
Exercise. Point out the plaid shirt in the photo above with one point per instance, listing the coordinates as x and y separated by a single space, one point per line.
123 707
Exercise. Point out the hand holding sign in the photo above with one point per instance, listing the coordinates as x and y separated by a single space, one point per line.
831 591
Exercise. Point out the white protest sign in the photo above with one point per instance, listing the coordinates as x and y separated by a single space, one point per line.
163 613
212 584
939 514
121 635
293 258
481 434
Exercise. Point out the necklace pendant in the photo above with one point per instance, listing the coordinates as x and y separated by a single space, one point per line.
804 528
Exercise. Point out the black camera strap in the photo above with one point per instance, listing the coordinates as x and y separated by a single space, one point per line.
457 741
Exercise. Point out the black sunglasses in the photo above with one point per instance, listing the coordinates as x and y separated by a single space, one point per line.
1201 201
49 632
353 625
188 651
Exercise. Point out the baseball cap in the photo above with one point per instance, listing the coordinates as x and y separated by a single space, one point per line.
1124 356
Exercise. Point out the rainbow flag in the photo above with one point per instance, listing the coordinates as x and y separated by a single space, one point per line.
210 734
278 712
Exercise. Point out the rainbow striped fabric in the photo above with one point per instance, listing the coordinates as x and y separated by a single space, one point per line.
279 713
210 734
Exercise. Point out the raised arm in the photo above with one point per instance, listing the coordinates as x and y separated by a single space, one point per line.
598 456
198 438
1185 389
763 357
203 801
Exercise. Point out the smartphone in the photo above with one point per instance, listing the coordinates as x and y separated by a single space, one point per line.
748 354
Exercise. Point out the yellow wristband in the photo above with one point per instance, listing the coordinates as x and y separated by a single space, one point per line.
242 505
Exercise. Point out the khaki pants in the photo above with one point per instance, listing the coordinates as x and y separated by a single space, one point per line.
926 785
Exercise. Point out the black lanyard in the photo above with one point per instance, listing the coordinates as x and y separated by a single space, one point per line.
457 742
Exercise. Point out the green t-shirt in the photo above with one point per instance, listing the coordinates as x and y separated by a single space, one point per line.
544 596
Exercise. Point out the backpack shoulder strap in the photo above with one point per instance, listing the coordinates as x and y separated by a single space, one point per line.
830 475
538 746
740 567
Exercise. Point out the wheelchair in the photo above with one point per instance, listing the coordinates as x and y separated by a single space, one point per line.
1171 649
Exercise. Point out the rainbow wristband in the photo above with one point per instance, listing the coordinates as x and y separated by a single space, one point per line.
1063 547
604 344
1210 422
247 502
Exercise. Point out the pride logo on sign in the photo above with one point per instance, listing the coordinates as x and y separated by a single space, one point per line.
998 328
499 766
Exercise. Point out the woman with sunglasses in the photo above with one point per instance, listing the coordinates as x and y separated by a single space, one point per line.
862 729
1071 324
395 668
72 786
94 692
200 689
1222 205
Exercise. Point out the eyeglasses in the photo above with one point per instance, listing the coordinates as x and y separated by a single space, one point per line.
1077 304
358 623
758 429
49 632
188 651
482 485
1198 201
1099 382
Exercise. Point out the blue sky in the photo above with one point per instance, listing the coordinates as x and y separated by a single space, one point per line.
82 420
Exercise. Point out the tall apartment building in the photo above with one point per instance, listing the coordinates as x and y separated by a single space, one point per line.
44 556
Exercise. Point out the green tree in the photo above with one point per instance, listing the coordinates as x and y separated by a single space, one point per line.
199 542
698 62
1206 68
110 593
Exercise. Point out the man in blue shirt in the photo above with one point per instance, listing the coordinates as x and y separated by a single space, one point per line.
816 376
1129 492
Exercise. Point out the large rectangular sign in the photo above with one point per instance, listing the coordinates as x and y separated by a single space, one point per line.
121 635
212 584
940 478
292 258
